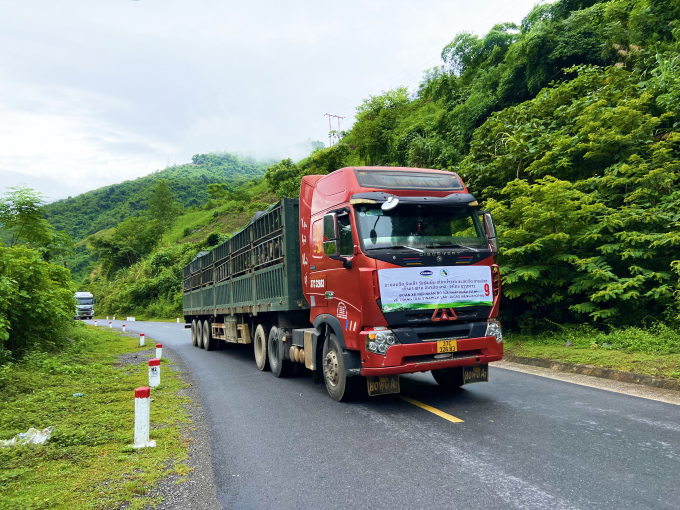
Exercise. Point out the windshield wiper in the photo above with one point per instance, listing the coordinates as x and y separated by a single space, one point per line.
396 247
433 246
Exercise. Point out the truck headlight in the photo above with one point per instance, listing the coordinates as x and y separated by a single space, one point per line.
493 328
378 341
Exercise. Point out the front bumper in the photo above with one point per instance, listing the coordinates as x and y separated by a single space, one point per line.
412 358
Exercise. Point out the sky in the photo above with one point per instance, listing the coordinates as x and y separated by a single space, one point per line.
98 92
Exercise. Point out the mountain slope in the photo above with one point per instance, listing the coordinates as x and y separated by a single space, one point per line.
105 207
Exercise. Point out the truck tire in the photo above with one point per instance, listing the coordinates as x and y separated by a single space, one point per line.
199 333
208 340
260 345
339 386
449 378
194 333
280 367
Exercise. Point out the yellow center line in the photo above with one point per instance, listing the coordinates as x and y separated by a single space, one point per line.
433 410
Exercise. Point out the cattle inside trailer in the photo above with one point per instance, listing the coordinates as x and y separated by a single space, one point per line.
250 285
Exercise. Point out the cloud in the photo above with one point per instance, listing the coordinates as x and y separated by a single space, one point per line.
93 93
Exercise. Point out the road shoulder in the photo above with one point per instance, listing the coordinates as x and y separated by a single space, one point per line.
636 390
196 489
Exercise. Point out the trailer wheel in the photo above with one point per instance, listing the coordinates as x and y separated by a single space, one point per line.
280 367
208 341
199 333
449 378
194 333
339 386
260 341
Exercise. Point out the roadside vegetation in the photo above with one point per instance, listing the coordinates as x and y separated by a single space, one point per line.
88 461
566 127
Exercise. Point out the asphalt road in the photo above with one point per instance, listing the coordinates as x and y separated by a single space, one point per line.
525 441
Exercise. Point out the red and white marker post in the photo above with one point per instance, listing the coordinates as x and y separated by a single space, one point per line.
123 328
142 418
95 323
110 324
159 351
141 339
154 372
177 320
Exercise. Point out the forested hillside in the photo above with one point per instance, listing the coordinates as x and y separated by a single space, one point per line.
565 127
105 207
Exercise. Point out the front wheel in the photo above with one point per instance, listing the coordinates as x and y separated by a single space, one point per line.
449 378
339 386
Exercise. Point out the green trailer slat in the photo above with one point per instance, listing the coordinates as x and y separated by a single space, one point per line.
257 269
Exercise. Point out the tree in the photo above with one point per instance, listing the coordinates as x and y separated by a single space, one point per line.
21 214
134 238
162 207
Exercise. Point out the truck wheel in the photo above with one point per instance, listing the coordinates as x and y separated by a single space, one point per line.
261 338
199 333
340 388
208 341
449 378
194 333
280 367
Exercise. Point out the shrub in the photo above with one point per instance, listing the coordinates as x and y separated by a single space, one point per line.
36 301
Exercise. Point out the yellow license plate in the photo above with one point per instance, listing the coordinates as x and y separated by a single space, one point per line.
447 346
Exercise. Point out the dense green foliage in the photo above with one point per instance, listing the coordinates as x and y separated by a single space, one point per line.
36 295
567 127
36 302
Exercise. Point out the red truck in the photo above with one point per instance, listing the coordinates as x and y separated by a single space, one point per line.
372 273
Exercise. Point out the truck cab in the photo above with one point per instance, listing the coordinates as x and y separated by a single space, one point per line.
85 305
397 264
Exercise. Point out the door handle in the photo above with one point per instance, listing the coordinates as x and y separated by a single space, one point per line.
328 294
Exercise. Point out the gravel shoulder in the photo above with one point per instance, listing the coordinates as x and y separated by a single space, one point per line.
196 491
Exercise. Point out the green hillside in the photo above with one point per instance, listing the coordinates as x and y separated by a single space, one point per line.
105 207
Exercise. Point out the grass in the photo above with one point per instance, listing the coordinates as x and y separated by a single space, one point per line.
88 461
654 351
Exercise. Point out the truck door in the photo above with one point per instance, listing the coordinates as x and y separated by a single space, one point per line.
342 293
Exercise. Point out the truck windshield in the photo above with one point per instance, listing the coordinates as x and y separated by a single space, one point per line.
419 227
84 300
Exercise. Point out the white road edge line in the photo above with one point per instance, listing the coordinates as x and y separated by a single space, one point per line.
635 390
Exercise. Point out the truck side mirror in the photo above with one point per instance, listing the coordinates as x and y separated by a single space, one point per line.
330 235
330 240
490 229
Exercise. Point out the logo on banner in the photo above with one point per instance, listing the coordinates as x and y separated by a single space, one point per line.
426 274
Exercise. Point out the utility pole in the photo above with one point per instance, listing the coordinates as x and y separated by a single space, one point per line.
330 127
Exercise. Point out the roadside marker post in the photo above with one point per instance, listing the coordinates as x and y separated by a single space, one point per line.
142 418
177 320
95 323
141 339
107 317
110 324
123 328
154 372
114 317
159 351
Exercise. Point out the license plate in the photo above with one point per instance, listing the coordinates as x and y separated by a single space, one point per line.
479 373
383 385
447 346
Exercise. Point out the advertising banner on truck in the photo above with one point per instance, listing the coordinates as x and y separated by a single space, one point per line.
414 288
